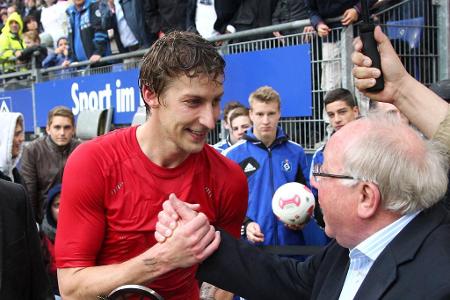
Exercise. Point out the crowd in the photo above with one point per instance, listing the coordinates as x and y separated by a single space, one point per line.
154 205
59 32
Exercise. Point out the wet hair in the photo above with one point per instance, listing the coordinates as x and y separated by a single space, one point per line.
177 54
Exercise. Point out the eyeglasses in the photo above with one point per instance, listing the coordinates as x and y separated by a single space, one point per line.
317 173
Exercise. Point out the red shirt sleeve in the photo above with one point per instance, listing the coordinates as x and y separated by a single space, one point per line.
81 221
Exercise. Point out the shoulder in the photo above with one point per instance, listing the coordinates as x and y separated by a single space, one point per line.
106 144
237 148
34 145
220 164
12 195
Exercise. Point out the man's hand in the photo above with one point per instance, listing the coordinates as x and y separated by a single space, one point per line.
169 217
94 58
350 16
254 233
323 30
393 70
186 237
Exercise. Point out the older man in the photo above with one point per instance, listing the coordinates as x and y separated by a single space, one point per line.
379 190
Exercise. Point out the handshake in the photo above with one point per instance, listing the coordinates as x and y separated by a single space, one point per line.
185 233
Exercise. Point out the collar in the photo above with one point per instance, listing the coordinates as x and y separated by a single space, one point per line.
375 244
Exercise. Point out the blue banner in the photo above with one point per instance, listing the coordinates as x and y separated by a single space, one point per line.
19 101
287 70
94 92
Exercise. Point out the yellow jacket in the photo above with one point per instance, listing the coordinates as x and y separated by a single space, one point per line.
10 43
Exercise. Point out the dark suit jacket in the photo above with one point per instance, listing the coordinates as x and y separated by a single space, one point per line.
415 265
22 273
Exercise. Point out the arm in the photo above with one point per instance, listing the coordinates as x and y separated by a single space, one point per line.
421 106
241 268
30 176
225 9
78 247
101 38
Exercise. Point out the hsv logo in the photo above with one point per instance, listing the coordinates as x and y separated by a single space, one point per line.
295 200
249 166
286 165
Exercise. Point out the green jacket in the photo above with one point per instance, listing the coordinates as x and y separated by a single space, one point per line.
10 43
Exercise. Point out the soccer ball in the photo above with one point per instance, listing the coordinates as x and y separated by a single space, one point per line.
293 203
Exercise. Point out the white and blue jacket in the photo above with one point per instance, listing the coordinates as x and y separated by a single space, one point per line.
267 168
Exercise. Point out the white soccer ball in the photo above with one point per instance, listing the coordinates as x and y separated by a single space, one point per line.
293 203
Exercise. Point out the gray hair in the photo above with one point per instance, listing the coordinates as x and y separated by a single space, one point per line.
411 172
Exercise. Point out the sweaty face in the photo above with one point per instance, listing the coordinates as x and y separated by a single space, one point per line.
265 117
19 137
341 114
61 130
238 127
186 112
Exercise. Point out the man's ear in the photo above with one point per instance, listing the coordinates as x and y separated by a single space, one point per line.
369 201
150 97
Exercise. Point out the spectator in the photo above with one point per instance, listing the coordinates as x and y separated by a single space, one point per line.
54 19
11 144
228 140
60 54
205 17
33 11
239 123
33 49
319 12
289 11
168 15
87 38
390 230
341 108
48 230
23 273
129 24
11 42
269 159
248 14
130 172
31 24
44 159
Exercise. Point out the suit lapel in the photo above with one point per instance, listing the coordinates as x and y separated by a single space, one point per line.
333 282
401 250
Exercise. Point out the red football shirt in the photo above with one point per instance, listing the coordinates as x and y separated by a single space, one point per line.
112 194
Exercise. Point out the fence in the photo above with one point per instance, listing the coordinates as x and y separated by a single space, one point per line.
418 29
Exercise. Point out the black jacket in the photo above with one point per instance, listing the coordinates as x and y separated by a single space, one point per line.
22 273
414 265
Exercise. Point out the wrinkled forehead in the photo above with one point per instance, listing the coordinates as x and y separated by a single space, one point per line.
342 139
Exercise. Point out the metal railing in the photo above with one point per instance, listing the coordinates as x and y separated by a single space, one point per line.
424 54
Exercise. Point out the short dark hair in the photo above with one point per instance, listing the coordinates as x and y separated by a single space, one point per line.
340 94
175 54
60 111
230 106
